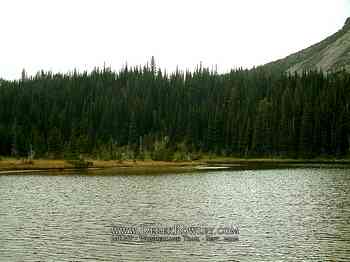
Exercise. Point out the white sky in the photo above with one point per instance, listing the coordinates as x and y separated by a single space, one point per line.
61 35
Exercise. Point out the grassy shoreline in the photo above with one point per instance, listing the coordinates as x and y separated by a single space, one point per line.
13 166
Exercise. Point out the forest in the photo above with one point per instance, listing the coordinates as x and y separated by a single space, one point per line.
145 112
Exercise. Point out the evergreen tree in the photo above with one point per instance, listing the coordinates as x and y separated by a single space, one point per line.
244 112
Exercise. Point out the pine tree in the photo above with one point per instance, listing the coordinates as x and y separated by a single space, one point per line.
306 132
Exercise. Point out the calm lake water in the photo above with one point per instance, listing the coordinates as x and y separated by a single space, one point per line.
283 215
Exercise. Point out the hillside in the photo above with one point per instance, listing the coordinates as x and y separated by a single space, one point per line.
329 55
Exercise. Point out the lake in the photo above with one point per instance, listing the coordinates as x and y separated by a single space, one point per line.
282 215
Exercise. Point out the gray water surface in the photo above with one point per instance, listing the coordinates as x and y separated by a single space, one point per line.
283 215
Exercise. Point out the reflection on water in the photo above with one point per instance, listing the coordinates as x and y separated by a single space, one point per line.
283 215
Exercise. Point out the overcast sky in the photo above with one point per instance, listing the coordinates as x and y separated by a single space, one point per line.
61 35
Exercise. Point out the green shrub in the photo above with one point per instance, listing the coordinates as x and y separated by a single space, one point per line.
161 150
180 156
163 154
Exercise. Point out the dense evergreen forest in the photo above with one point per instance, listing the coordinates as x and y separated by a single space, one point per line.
144 112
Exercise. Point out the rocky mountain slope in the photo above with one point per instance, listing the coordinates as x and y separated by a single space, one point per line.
329 55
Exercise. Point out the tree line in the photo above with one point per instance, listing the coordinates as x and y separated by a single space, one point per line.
144 110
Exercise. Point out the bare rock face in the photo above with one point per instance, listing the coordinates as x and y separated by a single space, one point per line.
347 22
329 55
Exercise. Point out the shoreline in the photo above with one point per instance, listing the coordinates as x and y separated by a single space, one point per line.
15 166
